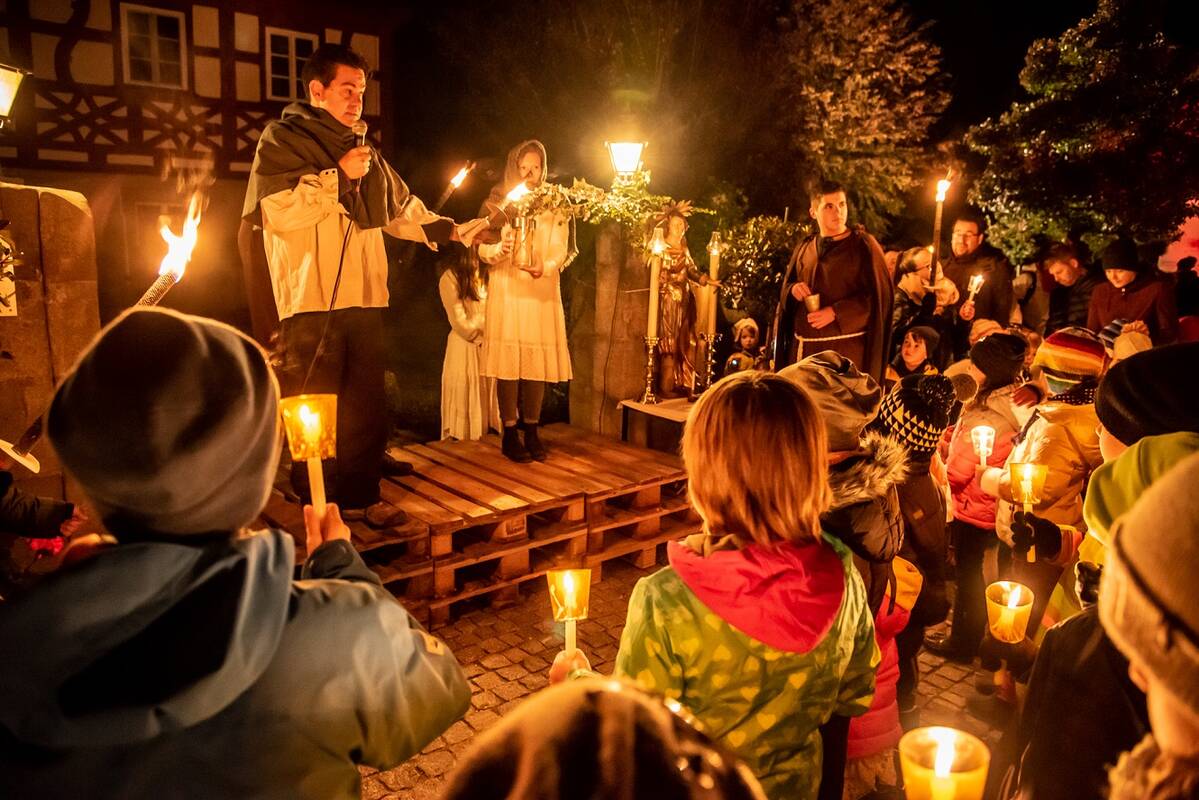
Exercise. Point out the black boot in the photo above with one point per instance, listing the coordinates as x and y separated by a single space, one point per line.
512 447
533 442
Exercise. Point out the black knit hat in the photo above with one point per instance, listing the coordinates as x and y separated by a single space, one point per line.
928 335
1121 254
1151 393
999 356
917 411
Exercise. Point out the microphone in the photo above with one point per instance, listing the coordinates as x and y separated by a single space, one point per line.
359 129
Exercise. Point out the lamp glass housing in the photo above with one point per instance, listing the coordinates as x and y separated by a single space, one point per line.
10 82
626 157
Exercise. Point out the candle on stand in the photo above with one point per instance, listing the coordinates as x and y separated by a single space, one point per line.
943 764
310 421
942 191
983 439
570 595
972 288
714 248
1030 480
657 247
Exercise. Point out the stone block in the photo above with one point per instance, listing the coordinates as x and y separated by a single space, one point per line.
67 236
73 320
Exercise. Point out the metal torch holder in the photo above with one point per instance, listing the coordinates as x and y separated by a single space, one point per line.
706 375
651 357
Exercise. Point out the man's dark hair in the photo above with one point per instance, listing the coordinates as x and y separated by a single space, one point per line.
322 64
971 216
820 188
1060 253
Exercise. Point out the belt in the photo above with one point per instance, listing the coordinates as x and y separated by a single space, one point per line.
801 339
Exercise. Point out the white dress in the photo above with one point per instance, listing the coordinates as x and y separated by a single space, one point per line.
468 400
525 333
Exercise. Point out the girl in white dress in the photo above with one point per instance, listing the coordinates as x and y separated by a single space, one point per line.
524 338
468 400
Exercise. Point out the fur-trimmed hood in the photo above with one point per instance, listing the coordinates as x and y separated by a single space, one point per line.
870 473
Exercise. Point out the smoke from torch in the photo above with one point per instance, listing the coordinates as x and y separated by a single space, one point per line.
179 253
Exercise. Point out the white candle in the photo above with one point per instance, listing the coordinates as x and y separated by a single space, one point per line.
316 478
714 274
570 637
655 269
976 284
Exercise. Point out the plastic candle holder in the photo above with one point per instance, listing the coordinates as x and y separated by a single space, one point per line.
1009 606
943 764
983 439
1027 483
570 597
310 421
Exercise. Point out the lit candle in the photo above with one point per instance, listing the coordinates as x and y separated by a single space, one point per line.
570 593
976 283
942 191
1009 607
311 424
943 764
657 248
714 248
1031 480
983 439
179 253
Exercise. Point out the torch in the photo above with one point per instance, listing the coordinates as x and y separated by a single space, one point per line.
311 424
179 253
943 764
570 594
170 270
942 191
1030 480
983 439
454 183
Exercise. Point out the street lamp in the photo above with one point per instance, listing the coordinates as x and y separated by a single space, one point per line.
626 158
10 81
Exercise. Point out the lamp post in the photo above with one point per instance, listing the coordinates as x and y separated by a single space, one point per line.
626 159
10 82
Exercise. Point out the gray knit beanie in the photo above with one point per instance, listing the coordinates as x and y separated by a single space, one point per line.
848 399
170 423
1146 600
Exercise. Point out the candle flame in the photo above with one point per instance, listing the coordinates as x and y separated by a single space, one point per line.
930 248
457 180
1013 599
714 244
517 193
658 245
179 247
976 283
311 421
946 739
942 190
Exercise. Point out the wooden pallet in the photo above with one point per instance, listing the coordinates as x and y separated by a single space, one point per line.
481 526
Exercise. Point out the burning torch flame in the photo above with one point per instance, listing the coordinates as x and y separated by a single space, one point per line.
942 190
179 248
945 738
517 193
457 180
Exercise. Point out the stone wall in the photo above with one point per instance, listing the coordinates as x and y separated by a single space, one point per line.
57 312
608 348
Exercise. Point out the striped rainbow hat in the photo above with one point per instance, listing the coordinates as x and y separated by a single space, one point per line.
1069 355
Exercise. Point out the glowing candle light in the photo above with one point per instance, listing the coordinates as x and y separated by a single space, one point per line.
570 594
943 764
1009 607
983 439
1030 480
942 191
972 288
714 248
310 421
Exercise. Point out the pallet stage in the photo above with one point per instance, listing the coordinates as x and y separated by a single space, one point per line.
481 525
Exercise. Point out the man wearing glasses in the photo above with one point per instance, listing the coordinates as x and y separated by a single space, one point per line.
972 256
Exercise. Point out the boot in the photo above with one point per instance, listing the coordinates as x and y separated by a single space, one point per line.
533 442
512 448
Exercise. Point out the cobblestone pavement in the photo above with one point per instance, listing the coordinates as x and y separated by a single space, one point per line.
506 654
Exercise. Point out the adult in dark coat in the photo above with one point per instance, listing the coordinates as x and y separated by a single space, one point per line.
845 267
1070 299
970 256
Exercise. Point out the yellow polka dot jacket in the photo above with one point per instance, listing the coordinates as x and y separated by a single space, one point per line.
762 645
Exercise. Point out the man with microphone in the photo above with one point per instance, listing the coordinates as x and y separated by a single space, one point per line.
324 198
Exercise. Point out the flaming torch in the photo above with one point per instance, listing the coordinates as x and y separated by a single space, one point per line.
179 253
453 185
942 191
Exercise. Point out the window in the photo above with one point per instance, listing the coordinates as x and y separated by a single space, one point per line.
286 54
154 46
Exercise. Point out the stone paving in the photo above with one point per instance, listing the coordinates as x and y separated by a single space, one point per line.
506 654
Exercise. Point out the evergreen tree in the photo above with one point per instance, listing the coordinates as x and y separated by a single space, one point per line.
1107 141
862 84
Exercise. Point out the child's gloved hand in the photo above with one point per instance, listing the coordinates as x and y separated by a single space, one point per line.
1029 530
